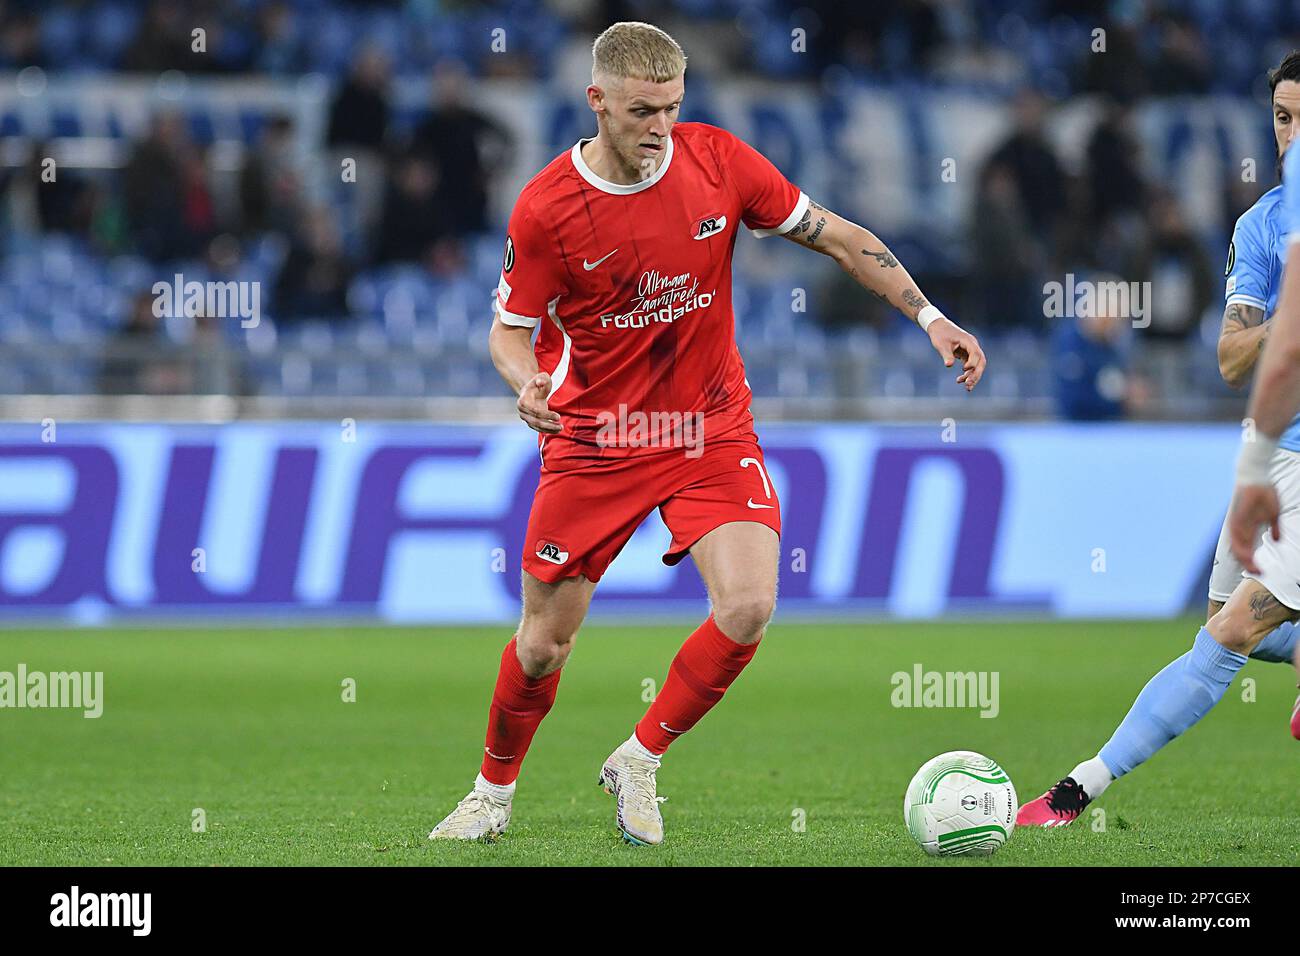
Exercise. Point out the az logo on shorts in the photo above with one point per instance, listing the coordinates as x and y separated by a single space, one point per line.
550 552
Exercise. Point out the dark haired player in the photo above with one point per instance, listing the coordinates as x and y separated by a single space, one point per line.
1251 616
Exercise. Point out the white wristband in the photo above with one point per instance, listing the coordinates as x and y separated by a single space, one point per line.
1254 459
928 315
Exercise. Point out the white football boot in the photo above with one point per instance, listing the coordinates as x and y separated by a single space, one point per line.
480 816
630 777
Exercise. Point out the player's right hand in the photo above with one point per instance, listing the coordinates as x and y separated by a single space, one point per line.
1252 506
532 405
955 344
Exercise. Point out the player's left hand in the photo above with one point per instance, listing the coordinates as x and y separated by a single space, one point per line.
955 344
1252 506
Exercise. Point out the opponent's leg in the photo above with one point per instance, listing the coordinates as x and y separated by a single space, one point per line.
525 690
1171 702
1225 574
738 562
1295 714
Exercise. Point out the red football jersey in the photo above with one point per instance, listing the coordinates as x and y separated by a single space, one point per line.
632 287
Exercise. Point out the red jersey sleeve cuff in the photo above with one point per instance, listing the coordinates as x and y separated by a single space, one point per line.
791 220
510 318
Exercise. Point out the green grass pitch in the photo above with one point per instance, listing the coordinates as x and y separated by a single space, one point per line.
249 725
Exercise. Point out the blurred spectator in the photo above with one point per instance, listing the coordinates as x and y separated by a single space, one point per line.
1182 66
1116 191
47 195
63 198
467 146
139 359
313 282
169 209
412 219
1030 161
1115 183
164 41
212 366
198 208
1008 257
1181 277
40 197
1118 70
280 49
873 38
20 40
270 185
359 112
1091 367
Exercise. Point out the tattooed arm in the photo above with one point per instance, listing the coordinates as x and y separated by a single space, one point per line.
1241 339
1274 401
875 268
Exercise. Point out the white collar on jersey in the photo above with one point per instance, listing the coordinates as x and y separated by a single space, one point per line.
618 189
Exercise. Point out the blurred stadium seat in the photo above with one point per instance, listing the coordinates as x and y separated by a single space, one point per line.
350 310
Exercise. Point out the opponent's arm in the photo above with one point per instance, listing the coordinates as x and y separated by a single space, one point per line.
511 348
1241 339
1274 401
870 263
1276 395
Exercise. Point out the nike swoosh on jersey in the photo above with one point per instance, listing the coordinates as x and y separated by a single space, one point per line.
591 265
750 502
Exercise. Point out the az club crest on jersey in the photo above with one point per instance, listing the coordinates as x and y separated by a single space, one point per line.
708 227
551 552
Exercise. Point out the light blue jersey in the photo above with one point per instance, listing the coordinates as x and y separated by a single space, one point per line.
1257 255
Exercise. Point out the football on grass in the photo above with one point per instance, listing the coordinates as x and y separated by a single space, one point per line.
960 804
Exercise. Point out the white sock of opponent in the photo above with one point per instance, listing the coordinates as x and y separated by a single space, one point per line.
1093 776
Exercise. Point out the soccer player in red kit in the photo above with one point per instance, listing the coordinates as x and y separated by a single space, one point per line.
619 256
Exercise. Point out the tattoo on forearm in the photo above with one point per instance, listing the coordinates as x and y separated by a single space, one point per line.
812 240
1238 316
802 225
884 259
805 224
914 299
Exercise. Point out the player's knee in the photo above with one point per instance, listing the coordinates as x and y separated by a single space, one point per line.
543 649
1235 630
743 616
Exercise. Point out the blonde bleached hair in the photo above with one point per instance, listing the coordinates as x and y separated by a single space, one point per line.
637 51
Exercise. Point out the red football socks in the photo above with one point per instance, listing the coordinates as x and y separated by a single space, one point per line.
700 674
518 705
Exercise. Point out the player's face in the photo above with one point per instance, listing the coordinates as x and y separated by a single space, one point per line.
1286 113
639 116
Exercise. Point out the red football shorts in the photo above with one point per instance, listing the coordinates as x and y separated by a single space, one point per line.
585 513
